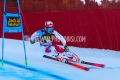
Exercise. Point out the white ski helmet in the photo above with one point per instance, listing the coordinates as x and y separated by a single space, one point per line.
49 26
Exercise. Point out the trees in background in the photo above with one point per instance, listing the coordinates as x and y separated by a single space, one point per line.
57 5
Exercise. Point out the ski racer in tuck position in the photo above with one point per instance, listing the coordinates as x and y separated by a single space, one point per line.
45 37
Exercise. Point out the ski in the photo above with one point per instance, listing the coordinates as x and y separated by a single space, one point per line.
69 63
93 64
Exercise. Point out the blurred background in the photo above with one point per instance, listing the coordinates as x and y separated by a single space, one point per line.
98 22
57 5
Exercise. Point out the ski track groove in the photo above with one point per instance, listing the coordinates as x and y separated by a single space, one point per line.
48 73
35 70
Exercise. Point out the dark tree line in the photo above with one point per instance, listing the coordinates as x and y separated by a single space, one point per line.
56 5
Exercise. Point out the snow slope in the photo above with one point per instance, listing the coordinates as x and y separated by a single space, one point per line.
40 68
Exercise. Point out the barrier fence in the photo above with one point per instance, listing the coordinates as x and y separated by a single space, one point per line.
96 28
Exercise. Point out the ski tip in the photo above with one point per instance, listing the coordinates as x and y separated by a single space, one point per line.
43 55
87 69
103 65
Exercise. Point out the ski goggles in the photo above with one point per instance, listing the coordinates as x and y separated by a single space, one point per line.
50 29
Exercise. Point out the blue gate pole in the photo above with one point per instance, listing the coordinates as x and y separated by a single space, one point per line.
3 34
4 5
26 61
3 49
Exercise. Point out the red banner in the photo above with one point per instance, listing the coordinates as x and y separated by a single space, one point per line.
83 28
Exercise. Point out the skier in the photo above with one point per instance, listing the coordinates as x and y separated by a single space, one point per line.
45 37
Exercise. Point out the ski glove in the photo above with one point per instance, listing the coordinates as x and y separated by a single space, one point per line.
66 49
32 42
